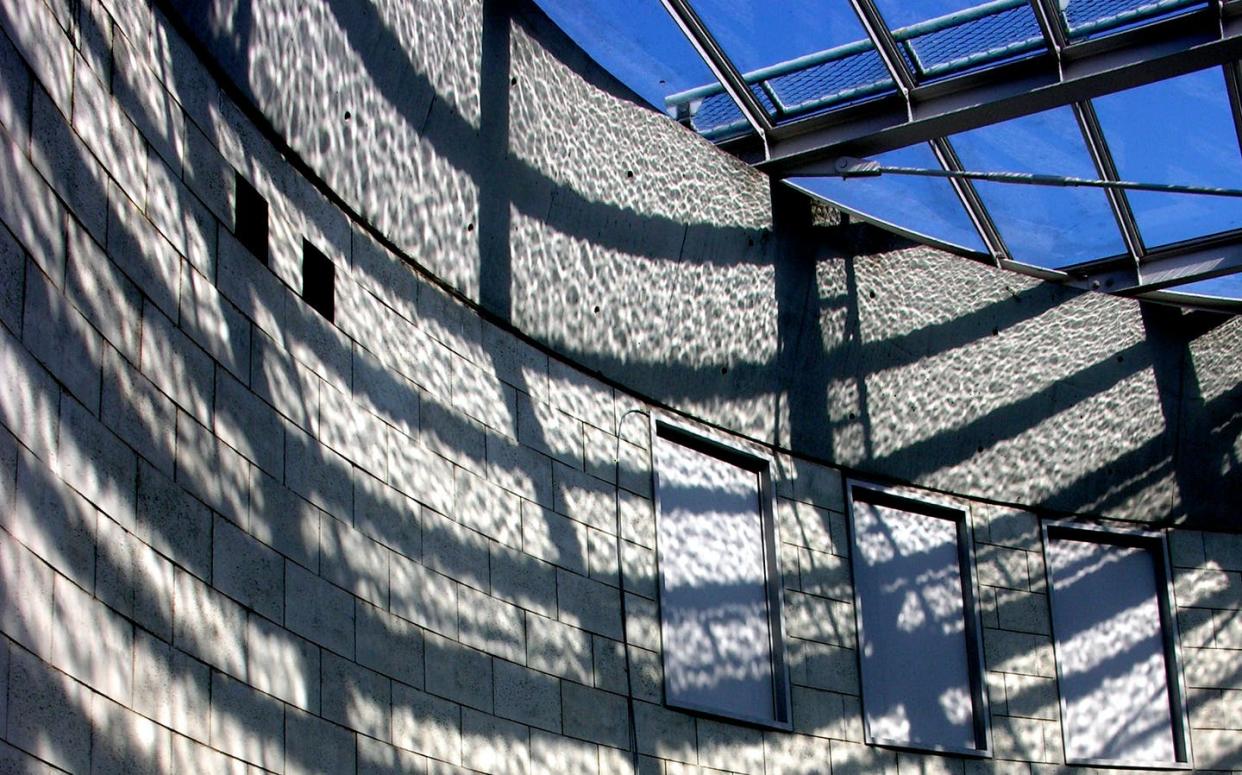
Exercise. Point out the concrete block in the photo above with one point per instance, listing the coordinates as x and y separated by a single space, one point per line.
458 673
450 322
377 758
637 517
178 215
384 274
1018 738
291 388
316 343
494 745
247 571
356 697
646 675
352 561
809 527
666 734
208 625
638 565
29 399
173 522
455 551
26 595
247 424
581 395
523 580
314 745
420 473
96 463
527 696
1229 634
1031 697
857 759
819 619
62 339
452 435
135 409
479 393
384 392
426 724
12 270
33 213
552 537
558 649
610 667
212 470
809 483
1216 749
1009 527
520 469
389 644
555 753
109 133
491 625
823 666
282 664
1196 627
1016 652
193 756
601 454
143 254
53 521
123 741
114 568
634 472
318 474
1211 669
250 285
386 515
171 687
1223 550
143 98
102 293
488 508
176 365
589 604
1203 588
549 430
15 760
318 611
208 175
584 498
1023 612
1186 549
284 521
423 596
642 624
598 716
1002 567
791 754
247 723
15 107
41 699
70 169
730 747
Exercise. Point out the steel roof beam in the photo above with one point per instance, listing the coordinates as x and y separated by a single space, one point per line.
1048 15
1157 52
886 45
1106 168
720 64
969 197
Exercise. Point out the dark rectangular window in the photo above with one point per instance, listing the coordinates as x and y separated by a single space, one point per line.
1115 642
918 624
250 218
720 605
318 280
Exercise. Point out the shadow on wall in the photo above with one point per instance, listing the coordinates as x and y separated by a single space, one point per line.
291 525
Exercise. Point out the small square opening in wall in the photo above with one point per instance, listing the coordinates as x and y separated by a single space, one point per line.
318 280
250 218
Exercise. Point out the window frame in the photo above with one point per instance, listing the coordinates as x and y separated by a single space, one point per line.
959 513
759 461
1157 544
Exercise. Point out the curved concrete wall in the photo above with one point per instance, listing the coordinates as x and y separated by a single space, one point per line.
234 535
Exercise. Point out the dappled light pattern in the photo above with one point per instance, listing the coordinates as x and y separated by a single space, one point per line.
717 636
916 677
1111 652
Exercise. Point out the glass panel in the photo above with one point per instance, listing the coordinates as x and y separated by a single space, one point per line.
715 597
916 681
1045 226
942 37
1176 131
1091 18
925 206
1111 653
638 42
803 57
1226 287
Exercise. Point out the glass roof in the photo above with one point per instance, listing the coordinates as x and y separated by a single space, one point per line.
1073 191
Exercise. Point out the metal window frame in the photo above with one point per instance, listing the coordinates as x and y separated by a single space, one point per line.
1157 544
914 502
762 463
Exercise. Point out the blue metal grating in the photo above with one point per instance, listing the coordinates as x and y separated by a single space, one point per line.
832 82
999 35
1088 17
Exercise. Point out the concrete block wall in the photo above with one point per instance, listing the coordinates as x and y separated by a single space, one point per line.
235 536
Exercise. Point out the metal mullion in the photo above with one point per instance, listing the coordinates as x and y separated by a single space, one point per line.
969 197
721 65
885 45
1233 85
1049 17
1106 168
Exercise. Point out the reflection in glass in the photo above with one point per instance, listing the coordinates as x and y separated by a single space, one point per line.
929 207
1226 287
915 644
714 586
1110 650
1176 131
1048 227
